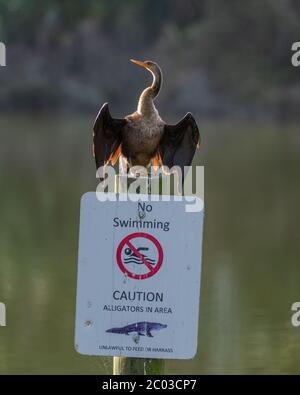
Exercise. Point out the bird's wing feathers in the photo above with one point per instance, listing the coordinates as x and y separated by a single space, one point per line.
177 146
107 137
179 143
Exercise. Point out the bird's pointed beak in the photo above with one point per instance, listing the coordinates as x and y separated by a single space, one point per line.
139 63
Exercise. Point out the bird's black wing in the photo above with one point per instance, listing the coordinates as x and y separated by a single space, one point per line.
179 143
107 137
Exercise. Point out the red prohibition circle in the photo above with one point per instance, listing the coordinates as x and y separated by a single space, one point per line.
127 241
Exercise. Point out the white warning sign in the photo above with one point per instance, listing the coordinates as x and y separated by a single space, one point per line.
138 284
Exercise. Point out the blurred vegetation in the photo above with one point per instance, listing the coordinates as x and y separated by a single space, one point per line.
220 58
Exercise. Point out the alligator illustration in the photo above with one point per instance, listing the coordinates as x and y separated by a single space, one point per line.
142 328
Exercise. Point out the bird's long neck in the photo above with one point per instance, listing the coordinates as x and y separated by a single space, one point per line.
146 105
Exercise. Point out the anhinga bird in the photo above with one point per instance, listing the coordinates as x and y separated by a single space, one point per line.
143 137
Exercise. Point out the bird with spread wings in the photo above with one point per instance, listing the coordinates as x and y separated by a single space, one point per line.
143 138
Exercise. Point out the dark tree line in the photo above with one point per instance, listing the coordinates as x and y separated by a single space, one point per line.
237 52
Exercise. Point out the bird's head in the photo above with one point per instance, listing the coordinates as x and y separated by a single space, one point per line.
148 64
155 70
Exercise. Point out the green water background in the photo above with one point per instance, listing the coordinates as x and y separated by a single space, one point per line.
251 270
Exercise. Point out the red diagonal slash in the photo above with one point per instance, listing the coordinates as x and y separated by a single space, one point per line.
137 253
152 270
